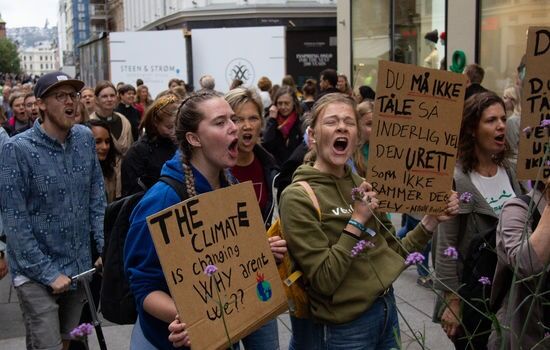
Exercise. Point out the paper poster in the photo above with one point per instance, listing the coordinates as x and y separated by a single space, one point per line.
414 139
222 228
535 108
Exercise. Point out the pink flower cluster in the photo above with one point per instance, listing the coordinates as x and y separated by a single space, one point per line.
357 194
466 197
485 281
360 246
82 330
210 270
451 252
414 258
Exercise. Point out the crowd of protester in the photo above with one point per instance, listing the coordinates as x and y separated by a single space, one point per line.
67 150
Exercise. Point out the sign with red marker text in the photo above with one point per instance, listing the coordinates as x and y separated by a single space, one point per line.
414 138
222 228
534 136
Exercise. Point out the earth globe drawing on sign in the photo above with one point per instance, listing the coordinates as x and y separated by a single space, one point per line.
263 288
240 68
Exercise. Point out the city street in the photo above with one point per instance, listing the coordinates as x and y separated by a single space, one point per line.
415 304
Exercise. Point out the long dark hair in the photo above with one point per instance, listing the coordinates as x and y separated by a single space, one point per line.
107 165
473 109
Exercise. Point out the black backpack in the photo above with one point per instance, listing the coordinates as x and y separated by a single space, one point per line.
116 299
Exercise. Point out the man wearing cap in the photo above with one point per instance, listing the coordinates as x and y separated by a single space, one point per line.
52 207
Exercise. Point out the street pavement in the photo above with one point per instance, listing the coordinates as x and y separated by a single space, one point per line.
415 304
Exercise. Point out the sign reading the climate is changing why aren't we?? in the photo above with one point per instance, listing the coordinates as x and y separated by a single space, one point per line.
414 138
222 228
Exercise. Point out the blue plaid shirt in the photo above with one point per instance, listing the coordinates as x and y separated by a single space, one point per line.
52 201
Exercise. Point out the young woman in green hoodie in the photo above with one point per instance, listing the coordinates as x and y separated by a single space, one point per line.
351 298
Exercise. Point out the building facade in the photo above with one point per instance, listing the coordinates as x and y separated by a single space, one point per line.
310 26
40 59
489 32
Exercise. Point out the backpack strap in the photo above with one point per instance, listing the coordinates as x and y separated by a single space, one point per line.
535 215
312 196
178 186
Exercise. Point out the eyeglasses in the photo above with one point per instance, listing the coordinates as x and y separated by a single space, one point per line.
62 96
30 105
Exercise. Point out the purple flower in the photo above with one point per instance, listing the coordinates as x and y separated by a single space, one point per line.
360 246
485 281
414 258
451 252
210 270
357 194
82 330
545 123
466 197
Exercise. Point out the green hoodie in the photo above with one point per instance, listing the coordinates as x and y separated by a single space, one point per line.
340 287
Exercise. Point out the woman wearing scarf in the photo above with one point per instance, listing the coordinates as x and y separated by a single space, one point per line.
282 133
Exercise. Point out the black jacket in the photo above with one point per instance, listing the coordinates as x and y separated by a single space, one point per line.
133 117
145 159
271 170
274 142
330 90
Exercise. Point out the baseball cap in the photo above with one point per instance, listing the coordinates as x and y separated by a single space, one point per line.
54 79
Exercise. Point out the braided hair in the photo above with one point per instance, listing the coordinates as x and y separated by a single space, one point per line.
188 119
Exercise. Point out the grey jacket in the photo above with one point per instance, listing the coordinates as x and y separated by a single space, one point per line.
515 253
473 217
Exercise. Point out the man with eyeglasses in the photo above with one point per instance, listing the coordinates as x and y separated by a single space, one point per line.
52 206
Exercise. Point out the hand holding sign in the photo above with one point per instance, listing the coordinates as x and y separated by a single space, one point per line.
245 291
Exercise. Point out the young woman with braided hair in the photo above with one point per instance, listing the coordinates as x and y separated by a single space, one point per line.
207 142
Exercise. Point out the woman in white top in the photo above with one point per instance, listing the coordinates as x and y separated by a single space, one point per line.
488 180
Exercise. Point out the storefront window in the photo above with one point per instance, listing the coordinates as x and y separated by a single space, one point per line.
503 41
418 27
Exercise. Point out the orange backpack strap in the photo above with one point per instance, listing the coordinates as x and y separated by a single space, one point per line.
312 196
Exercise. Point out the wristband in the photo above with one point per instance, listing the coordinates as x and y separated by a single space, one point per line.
425 229
361 227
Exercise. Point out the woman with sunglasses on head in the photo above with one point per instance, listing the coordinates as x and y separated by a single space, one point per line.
483 172
207 145
255 164
145 158
350 291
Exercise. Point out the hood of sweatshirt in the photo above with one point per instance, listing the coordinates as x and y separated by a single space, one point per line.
331 188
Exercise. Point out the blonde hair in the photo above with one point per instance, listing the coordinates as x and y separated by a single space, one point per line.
358 159
240 95
319 108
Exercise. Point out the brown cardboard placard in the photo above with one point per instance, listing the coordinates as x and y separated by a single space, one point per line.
222 228
414 138
534 139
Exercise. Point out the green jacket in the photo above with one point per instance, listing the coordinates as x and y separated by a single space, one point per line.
340 287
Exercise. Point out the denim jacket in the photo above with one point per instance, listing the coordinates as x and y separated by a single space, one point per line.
52 202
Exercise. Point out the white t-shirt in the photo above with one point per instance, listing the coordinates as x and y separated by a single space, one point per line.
496 189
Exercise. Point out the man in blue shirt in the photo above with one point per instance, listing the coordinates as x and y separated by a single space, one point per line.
52 207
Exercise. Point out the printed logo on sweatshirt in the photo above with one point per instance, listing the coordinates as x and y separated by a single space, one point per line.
342 211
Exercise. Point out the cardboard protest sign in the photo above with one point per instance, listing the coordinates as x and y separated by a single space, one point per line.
222 228
534 136
414 138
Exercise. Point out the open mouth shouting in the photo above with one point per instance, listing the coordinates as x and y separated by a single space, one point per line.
340 145
500 140
233 149
70 112
246 139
